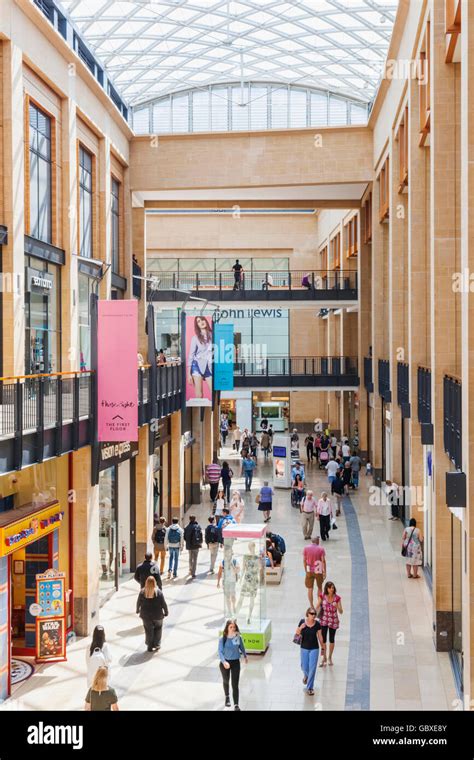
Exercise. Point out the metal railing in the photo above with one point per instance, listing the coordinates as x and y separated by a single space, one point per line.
300 366
296 280
403 383
368 374
424 395
384 379
452 417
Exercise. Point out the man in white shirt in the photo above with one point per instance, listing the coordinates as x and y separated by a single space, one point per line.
331 469
325 512
346 452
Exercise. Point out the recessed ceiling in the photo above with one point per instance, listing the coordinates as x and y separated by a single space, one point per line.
150 49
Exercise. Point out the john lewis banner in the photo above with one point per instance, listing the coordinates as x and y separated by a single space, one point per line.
117 373
223 357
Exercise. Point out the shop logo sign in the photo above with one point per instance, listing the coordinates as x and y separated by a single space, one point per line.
45 734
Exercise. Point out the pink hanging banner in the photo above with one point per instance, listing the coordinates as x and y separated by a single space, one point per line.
117 370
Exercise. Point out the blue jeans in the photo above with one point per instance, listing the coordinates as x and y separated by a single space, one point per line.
248 474
174 557
309 665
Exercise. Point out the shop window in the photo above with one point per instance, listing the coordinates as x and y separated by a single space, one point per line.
368 219
424 86
115 216
384 191
351 239
335 245
40 173
453 28
402 138
85 203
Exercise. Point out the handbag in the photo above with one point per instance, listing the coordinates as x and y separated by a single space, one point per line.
298 638
405 547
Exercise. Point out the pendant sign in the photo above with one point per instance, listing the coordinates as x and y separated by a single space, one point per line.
117 371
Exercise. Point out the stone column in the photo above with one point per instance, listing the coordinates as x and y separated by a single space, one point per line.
418 286
144 499
445 259
87 566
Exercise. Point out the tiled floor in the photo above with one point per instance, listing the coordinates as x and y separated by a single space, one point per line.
384 657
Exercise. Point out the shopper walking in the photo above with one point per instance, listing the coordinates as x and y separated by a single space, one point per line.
226 475
193 539
337 489
347 476
264 500
98 654
265 444
146 568
308 509
355 463
152 609
309 443
231 649
248 466
211 537
314 563
237 437
174 542
213 475
412 541
329 606
325 513
308 635
101 697
158 538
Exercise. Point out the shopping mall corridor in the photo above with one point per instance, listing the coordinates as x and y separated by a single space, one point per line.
384 657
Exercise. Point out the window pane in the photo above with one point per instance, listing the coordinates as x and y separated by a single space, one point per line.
319 109
297 108
162 116
180 113
219 109
279 108
240 108
337 112
201 112
358 114
258 108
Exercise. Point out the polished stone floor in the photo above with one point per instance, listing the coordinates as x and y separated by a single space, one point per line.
384 657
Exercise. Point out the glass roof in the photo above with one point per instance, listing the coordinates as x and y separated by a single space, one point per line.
151 48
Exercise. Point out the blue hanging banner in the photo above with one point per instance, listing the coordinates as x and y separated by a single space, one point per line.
223 357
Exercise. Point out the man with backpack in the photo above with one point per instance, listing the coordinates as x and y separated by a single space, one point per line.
193 539
158 537
211 537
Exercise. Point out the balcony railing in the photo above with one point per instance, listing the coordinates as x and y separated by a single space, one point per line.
259 285
368 374
308 371
384 380
452 414
403 383
424 395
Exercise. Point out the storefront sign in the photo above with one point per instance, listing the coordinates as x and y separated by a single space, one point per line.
51 621
50 639
117 375
38 281
16 535
224 357
199 366
114 453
